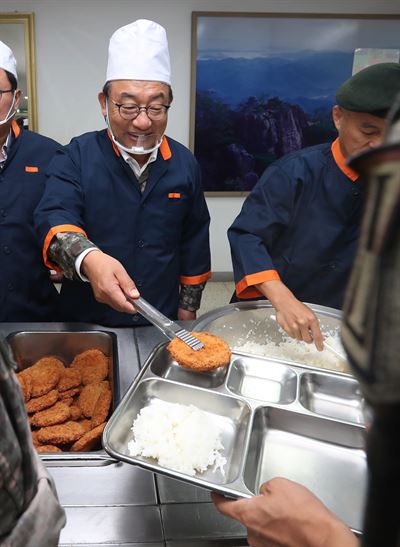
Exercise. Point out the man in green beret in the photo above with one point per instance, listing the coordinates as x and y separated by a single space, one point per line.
294 240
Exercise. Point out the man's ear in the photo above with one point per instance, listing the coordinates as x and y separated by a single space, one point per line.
337 115
102 100
17 98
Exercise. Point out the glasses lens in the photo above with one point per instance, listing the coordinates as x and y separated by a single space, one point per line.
156 112
132 111
129 111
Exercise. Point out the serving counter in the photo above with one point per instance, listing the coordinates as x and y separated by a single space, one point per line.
114 503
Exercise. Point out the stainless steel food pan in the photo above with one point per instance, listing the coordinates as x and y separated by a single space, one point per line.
29 346
275 419
244 322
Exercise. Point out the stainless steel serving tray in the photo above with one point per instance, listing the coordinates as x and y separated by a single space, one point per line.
243 322
29 346
276 419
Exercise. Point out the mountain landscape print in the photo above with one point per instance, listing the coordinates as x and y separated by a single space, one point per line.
265 87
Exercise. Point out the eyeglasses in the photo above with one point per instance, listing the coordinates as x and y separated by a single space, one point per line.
5 91
130 111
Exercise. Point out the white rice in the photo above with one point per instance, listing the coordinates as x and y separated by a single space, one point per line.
182 438
300 352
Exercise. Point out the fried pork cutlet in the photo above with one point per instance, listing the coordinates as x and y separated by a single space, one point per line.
215 353
102 407
52 360
89 440
56 414
40 403
86 424
89 395
65 433
25 383
93 364
48 448
45 375
76 412
35 440
69 393
70 378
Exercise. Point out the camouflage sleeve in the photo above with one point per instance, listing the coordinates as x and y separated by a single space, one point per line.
64 249
190 296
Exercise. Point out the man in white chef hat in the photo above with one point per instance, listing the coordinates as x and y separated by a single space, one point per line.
124 207
30 513
138 52
9 94
26 291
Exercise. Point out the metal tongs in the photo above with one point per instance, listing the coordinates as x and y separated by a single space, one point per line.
168 327
329 347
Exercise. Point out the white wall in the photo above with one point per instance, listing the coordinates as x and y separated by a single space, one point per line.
71 51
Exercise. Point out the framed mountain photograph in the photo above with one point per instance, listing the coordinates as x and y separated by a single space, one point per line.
263 85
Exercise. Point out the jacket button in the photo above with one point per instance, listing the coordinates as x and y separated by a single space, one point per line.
140 243
356 193
332 265
6 250
10 286
138 283
3 213
135 318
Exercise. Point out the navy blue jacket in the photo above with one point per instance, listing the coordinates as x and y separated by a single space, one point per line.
300 224
160 236
26 293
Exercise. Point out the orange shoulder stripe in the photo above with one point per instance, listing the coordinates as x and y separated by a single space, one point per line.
165 149
245 287
194 279
341 161
15 128
50 234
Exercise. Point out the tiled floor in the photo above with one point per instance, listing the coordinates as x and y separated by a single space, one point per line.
215 295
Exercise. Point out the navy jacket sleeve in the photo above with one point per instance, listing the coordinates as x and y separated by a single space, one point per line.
265 214
61 208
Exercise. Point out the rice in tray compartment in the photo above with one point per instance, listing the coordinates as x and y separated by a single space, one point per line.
300 352
183 438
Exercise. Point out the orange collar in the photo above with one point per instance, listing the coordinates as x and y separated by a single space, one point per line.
341 161
15 129
164 147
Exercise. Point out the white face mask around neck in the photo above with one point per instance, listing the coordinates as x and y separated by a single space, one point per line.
10 112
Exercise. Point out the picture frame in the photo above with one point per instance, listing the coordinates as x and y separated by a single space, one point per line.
263 85
17 30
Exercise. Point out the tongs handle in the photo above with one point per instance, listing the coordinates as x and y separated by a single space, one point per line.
149 312
329 347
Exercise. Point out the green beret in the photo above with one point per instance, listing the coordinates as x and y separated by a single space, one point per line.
372 90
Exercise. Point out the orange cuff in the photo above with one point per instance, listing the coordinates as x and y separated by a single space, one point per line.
50 234
194 279
245 287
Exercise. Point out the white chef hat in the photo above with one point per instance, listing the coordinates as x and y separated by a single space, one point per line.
7 59
139 51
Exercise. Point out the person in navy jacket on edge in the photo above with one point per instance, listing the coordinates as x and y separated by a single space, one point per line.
26 291
124 207
295 239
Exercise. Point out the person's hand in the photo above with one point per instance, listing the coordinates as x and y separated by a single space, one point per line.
297 319
286 514
186 315
110 281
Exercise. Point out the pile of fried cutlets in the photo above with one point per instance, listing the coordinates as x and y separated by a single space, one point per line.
67 404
